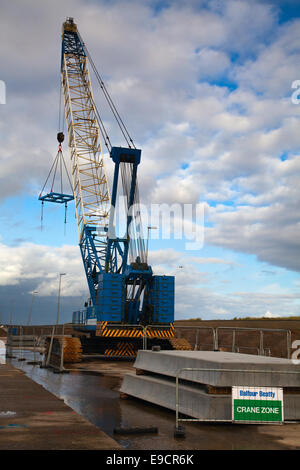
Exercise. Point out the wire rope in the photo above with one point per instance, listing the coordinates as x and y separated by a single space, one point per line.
108 98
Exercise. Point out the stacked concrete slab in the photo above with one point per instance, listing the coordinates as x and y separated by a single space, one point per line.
206 394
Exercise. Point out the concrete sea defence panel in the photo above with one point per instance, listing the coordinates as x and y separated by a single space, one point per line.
193 402
244 366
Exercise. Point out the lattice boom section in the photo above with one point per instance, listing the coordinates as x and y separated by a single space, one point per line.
92 199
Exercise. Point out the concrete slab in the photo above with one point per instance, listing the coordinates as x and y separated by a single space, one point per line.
31 418
194 401
281 371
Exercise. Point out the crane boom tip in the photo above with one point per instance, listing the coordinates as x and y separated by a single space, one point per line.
69 25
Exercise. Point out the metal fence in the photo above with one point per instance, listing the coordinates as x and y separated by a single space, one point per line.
35 343
261 332
265 396
196 330
216 344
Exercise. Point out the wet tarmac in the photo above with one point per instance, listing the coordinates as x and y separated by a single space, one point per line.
97 398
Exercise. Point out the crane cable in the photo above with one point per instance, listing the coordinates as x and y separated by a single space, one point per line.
108 98
59 161
136 244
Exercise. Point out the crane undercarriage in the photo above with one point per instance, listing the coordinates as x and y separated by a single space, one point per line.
116 342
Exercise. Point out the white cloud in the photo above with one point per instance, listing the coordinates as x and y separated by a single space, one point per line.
42 265
275 68
39 266
270 315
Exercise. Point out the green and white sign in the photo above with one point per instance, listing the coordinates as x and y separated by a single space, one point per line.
257 404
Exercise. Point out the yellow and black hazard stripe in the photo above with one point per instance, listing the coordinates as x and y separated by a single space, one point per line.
164 333
122 349
115 331
100 327
108 330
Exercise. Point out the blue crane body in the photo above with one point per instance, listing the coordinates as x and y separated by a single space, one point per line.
110 275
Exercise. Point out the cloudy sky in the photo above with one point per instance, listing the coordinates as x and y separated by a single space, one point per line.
206 90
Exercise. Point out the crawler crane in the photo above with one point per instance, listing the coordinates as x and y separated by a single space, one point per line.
128 304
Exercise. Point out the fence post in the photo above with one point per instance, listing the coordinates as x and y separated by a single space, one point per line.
261 343
34 344
19 338
8 343
289 343
11 342
179 431
61 368
196 341
144 337
50 347
176 402
21 354
216 339
233 341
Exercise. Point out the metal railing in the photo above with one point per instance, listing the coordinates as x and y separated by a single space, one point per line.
16 332
234 348
261 337
35 343
197 330
47 360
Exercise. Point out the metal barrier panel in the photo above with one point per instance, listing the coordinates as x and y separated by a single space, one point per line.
253 405
234 347
47 359
16 340
254 399
197 329
261 331
157 331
